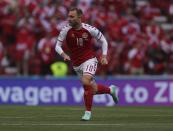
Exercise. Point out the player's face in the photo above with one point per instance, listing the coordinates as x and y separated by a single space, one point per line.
73 18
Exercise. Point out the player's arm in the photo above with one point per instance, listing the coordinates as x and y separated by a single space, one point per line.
101 39
60 51
58 46
104 43
104 60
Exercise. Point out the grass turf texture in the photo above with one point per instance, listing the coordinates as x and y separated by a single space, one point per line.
58 118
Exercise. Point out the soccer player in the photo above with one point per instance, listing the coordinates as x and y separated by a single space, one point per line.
78 37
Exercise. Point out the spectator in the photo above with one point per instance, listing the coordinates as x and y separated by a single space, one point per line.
24 26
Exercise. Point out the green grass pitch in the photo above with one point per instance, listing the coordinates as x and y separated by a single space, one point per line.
67 118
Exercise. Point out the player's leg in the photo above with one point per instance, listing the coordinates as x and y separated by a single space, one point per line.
88 91
88 96
102 89
91 87
90 67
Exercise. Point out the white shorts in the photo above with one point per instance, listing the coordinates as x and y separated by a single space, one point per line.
89 67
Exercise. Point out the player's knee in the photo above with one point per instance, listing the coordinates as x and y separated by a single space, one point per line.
86 81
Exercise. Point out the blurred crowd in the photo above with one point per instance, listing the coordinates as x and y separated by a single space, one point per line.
138 44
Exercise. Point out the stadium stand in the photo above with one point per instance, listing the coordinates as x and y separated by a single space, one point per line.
139 33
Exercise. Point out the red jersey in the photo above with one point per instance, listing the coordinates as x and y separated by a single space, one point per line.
79 42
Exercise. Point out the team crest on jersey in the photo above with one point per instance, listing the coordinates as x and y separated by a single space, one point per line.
85 35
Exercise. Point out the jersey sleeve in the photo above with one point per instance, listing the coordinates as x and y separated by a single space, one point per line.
62 34
99 36
94 31
61 37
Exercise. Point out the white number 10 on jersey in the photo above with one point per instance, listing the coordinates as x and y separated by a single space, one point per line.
79 41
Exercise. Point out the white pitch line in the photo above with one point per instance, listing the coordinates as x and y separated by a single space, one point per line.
15 117
68 116
26 117
87 124
69 108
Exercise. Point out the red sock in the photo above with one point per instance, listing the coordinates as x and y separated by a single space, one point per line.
101 89
88 97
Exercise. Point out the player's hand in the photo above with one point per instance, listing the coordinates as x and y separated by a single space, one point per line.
104 60
65 57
